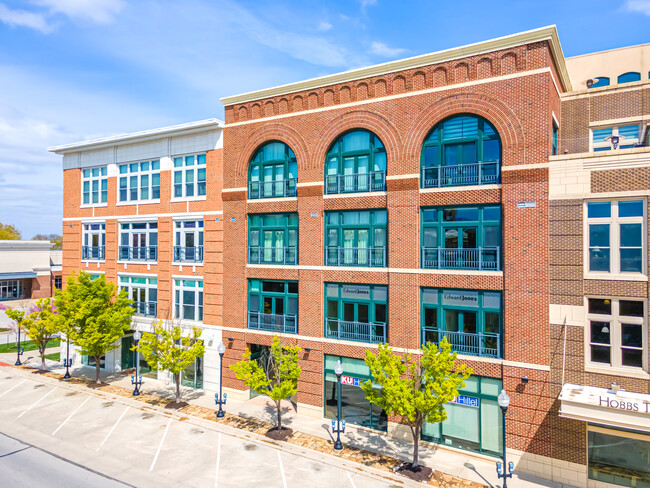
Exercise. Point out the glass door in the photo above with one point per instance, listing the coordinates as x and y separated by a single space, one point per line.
355 247
460 245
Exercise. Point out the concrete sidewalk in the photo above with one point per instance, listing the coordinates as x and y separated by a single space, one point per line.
466 465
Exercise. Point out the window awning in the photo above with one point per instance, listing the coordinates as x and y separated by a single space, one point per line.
607 407
17 275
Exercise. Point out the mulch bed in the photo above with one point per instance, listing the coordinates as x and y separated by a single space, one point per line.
40 371
176 405
279 435
417 473
94 385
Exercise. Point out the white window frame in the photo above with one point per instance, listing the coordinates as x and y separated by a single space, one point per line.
181 285
135 170
614 222
184 169
199 238
151 284
615 331
130 231
605 144
101 178
86 235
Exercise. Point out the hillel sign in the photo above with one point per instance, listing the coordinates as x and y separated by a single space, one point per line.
468 401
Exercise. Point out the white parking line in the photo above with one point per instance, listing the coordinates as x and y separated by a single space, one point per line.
15 386
70 416
350 478
112 429
39 401
284 480
153 463
216 475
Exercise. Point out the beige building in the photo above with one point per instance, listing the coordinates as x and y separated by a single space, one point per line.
28 269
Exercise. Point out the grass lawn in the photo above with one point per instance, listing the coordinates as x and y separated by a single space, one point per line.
4 330
55 356
28 345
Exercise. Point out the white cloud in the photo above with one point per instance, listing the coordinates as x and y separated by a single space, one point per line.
98 11
381 49
641 6
23 18
324 26
368 3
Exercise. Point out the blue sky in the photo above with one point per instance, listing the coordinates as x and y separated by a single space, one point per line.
77 69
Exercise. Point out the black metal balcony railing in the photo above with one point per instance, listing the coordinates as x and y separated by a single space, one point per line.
92 252
354 183
355 331
480 173
482 259
144 253
188 254
372 257
272 255
272 189
284 323
148 309
480 344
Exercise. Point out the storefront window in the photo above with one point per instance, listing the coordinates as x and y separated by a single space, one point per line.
90 361
355 409
474 419
619 457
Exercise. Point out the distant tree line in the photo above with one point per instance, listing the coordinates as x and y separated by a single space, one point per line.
9 233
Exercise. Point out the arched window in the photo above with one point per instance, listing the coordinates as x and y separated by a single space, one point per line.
462 150
600 81
273 172
629 77
356 162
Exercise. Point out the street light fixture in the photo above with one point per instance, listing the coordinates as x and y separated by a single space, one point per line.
19 350
337 426
137 379
502 472
67 362
220 398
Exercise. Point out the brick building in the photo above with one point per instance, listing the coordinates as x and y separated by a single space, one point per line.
494 194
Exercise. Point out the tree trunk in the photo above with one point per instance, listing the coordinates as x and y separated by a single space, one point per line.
416 444
277 406
98 378
177 380
42 353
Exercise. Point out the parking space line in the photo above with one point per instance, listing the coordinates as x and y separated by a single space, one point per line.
70 416
284 480
113 428
350 478
153 463
216 475
15 386
38 401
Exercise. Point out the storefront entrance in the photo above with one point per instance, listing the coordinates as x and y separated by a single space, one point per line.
127 360
355 409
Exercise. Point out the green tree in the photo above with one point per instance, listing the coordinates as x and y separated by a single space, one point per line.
9 232
167 349
278 378
417 391
94 315
41 324
18 315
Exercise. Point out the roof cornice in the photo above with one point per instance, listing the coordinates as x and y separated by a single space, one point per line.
542 34
188 128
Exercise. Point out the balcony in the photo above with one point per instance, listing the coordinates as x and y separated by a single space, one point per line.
371 257
481 259
188 254
272 255
481 344
480 173
355 331
146 309
95 253
272 189
355 183
285 324
144 253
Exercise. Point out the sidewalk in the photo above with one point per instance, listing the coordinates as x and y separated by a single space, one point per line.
464 465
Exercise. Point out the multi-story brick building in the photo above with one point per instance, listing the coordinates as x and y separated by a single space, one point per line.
460 194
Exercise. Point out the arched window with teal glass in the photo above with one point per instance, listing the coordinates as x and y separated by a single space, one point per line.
461 150
629 77
600 81
273 172
356 162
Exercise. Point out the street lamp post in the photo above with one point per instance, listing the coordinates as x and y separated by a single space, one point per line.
137 379
339 426
502 472
67 362
19 350
220 398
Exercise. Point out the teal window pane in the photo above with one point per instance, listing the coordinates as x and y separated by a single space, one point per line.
155 179
599 210
461 429
155 165
356 141
631 235
431 156
491 427
491 386
104 171
631 260
124 169
133 167
178 177
189 160
491 150
599 135
86 173
601 81
460 128
430 215
492 213
471 385
200 159
629 77
178 162
618 460
380 162
599 235
144 166
630 208
629 131
95 171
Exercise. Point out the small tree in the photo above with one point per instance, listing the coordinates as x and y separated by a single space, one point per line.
41 324
277 379
19 317
94 315
415 391
166 349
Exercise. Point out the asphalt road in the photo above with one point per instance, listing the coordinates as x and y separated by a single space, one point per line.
22 465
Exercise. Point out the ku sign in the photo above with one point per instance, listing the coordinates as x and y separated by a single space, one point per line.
349 380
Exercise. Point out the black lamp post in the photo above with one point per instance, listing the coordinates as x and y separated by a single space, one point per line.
338 427
137 379
502 472
67 362
220 398
19 350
